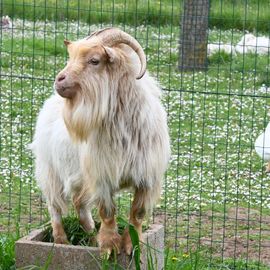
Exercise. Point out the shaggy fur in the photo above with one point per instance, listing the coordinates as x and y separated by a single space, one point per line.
110 132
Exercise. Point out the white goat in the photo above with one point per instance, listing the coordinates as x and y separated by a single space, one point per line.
251 44
104 129
262 146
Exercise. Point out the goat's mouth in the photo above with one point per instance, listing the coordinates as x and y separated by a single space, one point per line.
66 92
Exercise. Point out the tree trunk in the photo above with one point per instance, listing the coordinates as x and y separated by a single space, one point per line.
194 29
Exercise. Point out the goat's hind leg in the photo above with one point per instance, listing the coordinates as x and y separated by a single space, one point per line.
84 213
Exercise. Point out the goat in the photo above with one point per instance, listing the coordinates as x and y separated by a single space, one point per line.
251 44
103 130
262 146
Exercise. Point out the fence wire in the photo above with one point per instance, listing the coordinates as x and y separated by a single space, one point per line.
212 61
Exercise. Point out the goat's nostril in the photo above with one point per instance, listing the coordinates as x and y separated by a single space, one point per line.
61 78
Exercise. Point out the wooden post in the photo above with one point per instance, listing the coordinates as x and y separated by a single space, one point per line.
194 29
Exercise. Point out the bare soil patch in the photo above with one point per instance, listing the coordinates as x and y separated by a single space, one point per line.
240 233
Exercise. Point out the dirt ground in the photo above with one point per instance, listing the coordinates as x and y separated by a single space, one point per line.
20 211
246 235
240 233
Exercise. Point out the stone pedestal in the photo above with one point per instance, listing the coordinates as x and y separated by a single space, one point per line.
29 250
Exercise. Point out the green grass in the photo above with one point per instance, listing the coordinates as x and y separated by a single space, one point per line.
199 259
75 233
151 12
241 14
224 14
7 256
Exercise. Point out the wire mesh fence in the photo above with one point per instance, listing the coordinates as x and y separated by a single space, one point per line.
216 195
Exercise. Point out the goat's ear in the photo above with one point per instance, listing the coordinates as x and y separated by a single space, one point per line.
110 53
67 42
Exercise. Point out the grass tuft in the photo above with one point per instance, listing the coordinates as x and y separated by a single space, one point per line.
7 253
76 235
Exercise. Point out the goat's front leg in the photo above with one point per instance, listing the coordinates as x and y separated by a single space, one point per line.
108 237
137 213
59 234
84 213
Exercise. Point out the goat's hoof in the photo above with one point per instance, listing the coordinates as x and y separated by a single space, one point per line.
61 239
127 243
108 241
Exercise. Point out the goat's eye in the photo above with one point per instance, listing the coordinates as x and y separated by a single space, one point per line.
93 61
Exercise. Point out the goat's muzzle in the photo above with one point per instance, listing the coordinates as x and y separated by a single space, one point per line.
63 87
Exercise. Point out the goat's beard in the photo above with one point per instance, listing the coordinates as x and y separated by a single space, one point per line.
76 117
86 111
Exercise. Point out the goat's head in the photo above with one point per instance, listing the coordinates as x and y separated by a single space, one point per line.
90 60
95 71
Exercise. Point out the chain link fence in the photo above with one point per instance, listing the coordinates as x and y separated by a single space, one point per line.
212 61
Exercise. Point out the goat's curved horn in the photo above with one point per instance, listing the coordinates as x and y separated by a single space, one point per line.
112 36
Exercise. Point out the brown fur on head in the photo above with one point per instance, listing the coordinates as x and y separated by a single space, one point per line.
85 60
91 74
90 81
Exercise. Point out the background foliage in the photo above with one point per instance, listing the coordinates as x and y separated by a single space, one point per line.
216 196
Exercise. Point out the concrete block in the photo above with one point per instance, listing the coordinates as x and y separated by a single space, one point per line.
30 250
